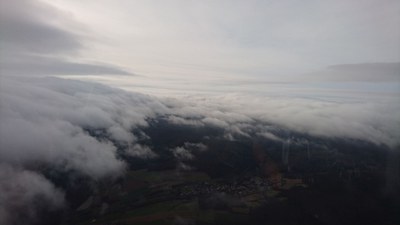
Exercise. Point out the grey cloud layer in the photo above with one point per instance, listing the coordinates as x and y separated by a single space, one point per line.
274 40
40 66
38 38
31 27
364 72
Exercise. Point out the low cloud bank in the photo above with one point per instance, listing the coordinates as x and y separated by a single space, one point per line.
66 125
85 128
372 120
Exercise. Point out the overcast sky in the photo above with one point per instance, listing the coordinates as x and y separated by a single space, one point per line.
323 68
272 40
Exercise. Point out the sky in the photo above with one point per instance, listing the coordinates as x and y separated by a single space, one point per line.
239 38
324 68
267 40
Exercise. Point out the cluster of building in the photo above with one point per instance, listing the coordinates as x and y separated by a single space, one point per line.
235 188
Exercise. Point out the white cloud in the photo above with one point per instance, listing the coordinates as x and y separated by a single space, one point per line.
121 135
45 120
141 151
182 153
369 119
270 136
